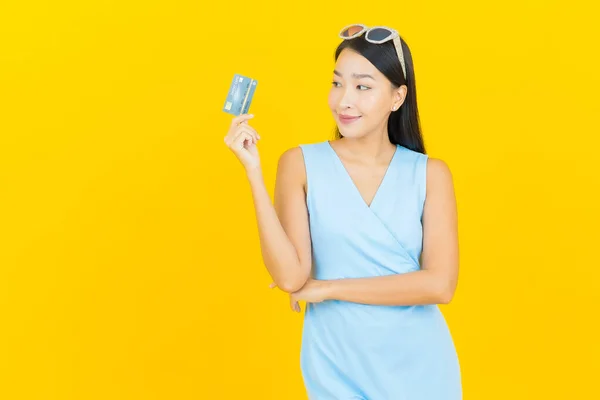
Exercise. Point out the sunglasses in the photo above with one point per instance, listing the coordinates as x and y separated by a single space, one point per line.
376 35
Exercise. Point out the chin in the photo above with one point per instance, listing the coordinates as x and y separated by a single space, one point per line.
351 132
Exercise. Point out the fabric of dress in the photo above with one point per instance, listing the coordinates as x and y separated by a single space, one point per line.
359 351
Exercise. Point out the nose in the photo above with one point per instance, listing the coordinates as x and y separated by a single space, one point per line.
347 99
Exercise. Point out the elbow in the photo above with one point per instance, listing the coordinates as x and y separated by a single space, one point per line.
445 293
291 286
294 284
445 298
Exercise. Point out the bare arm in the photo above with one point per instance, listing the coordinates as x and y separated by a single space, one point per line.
436 281
283 227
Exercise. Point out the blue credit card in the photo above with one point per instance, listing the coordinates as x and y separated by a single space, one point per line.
240 95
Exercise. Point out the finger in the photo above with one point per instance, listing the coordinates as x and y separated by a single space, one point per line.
241 118
294 303
242 131
234 132
244 140
240 140
232 136
251 130
273 285
245 123
236 135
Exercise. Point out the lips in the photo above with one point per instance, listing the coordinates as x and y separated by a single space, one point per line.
348 118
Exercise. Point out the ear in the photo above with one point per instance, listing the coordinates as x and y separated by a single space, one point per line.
399 97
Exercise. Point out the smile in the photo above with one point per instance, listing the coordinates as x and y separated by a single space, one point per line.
348 119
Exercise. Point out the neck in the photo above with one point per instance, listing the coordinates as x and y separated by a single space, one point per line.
375 146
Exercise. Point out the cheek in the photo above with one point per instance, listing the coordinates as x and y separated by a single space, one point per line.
333 99
373 103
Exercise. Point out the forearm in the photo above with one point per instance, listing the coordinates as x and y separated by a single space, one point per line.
279 254
413 288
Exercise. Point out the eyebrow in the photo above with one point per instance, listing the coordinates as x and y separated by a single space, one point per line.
354 75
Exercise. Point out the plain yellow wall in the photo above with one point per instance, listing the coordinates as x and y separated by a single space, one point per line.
130 266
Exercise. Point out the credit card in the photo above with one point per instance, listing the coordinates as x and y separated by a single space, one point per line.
240 95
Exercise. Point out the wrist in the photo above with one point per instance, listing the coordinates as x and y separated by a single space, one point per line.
329 287
254 173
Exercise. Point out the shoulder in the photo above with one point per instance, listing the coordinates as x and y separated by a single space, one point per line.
439 176
438 169
291 165
292 155
292 158
297 157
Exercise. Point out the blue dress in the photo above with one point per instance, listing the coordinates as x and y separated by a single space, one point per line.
359 351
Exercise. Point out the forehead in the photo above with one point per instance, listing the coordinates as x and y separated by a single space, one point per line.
350 62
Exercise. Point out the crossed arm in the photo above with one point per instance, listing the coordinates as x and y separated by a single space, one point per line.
434 283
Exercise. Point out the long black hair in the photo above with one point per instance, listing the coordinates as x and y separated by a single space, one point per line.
403 124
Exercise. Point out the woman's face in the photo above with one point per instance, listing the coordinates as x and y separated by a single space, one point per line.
360 90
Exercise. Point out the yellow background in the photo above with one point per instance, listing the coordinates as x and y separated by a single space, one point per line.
130 266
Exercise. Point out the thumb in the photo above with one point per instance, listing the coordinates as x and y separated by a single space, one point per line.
273 285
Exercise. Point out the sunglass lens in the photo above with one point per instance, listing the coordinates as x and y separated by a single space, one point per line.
378 34
351 31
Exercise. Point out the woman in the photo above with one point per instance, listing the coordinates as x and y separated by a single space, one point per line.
364 230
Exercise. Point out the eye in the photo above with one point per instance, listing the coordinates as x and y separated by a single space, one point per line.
334 83
367 88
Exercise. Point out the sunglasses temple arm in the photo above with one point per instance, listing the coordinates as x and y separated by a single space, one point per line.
398 46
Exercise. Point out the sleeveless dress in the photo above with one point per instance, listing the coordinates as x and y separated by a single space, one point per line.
359 351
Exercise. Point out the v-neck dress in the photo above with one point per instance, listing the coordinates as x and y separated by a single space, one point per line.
360 351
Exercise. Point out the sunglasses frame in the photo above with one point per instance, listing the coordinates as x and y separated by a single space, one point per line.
393 36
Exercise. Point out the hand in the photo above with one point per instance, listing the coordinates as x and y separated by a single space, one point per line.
313 291
242 139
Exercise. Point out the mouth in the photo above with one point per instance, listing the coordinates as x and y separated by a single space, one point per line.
347 119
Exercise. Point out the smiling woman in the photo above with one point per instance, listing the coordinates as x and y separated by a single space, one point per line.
364 230
385 72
